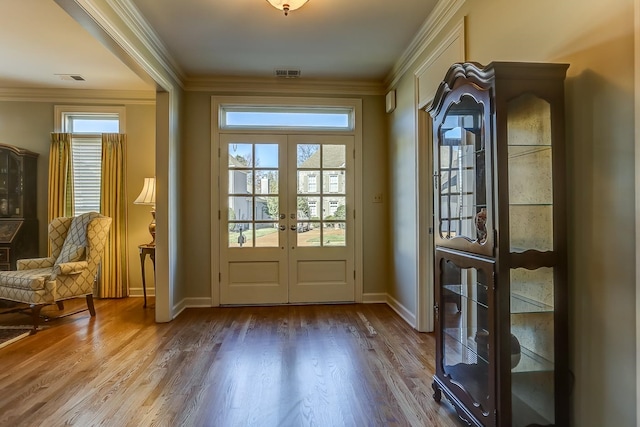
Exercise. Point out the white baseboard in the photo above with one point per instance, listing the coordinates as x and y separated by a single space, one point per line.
138 292
200 302
374 298
402 311
191 303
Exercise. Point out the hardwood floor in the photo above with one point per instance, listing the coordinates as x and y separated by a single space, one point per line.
336 365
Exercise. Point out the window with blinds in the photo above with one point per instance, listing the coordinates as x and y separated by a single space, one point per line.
87 124
86 153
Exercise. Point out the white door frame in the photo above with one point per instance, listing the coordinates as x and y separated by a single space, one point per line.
216 131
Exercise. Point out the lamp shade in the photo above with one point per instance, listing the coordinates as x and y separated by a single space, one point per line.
287 5
148 194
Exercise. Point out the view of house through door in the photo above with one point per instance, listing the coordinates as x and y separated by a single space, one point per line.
287 219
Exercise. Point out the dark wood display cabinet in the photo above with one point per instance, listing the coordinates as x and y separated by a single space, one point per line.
500 244
18 216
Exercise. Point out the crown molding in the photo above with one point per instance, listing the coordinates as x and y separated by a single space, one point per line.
84 96
134 21
284 86
432 27
126 31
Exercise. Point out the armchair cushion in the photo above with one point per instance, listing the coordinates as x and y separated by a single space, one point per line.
32 280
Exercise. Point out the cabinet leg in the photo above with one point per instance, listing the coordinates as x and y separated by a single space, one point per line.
437 394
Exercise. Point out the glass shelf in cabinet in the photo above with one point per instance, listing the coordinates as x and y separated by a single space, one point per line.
522 304
532 362
466 346
458 290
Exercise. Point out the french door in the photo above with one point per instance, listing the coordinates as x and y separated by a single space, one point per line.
287 219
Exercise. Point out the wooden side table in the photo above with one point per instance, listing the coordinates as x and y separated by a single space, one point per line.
144 251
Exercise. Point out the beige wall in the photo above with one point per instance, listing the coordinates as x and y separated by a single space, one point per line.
198 219
596 38
29 124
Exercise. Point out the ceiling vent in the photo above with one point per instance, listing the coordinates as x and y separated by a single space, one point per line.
71 77
287 73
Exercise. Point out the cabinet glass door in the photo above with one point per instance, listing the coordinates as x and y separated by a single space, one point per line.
531 231
462 212
532 347
10 185
465 303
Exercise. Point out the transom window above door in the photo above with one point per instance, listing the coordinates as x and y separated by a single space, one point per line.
286 117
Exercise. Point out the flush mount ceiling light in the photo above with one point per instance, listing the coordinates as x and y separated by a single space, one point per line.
287 5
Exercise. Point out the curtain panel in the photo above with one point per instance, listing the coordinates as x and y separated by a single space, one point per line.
113 202
60 194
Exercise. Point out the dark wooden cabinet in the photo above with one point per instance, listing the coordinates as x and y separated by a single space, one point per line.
18 216
500 244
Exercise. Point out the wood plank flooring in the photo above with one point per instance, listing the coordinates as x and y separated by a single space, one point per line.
335 365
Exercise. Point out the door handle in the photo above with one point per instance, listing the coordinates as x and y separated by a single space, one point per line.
283 227
294 227
283 216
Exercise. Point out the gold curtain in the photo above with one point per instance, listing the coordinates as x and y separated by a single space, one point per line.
60 191
60 200
113 202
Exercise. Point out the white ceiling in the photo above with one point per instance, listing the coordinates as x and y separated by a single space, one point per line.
326 39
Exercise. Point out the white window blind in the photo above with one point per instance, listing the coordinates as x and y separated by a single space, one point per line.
87 155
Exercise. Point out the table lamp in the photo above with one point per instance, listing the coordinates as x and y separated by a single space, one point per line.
148 197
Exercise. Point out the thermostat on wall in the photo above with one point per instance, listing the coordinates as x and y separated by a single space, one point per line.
391 101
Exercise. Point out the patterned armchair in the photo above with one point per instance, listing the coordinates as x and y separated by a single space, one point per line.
77 245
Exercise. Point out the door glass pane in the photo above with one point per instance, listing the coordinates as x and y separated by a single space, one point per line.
465 319
240 235
266 156
240 181
461 165
309 181
308 155
240 155
333 156
267 234
240 208
334 208
309 207
266 182
267 208
334 234
310 237
333 182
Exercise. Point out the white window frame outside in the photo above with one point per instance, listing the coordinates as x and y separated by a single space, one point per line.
333 207
312 184
333 184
